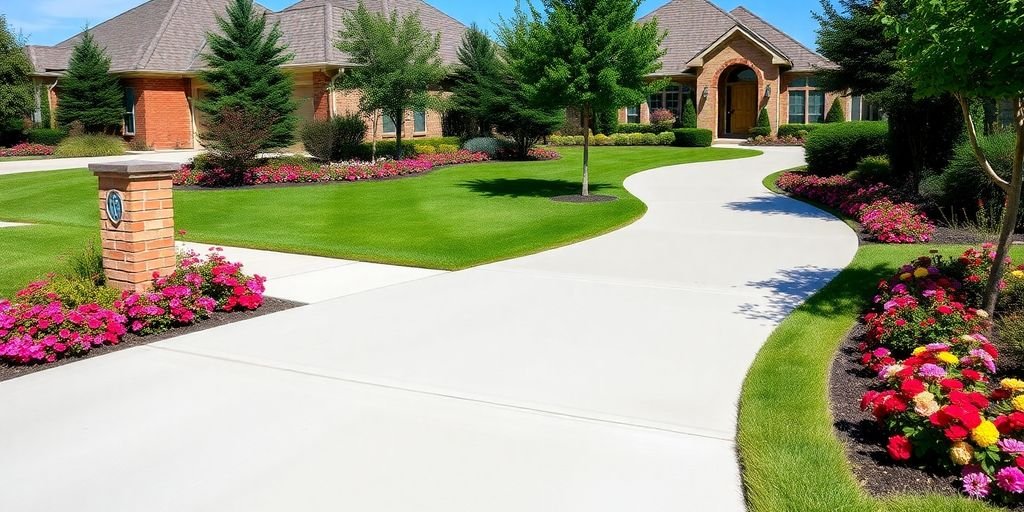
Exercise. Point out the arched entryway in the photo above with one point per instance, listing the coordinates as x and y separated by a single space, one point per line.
738 103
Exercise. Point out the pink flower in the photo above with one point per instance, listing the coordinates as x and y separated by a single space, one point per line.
1010 479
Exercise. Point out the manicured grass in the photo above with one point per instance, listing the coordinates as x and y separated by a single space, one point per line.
31 252
791 457
453 218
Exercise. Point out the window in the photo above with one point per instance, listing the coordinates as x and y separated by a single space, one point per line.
669 98
863 110
389 125
1006 117
806 103
419 120
633 114
129 111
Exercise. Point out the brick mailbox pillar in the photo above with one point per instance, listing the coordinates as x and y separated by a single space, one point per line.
136 221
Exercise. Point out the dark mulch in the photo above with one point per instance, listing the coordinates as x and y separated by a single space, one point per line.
270 305
948 235
579 198
865 441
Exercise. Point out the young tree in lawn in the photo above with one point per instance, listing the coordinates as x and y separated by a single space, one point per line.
89 94
972 49
244 73
15 85
396 62
590 55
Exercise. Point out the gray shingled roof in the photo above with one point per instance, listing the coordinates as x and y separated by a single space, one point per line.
803 58
693 25
170 35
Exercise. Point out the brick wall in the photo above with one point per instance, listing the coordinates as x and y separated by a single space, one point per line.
163 117
321 96
788 78
347 102
738 50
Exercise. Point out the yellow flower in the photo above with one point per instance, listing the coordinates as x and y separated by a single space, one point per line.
919 350
981 313
1018 403
1012 384
906 276
961 453
967 338
921 272
986 434
1019 274
947 358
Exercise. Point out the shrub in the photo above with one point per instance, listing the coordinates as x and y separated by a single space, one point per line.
872 169
836 114
578 140
794 130
764 122
962 184
27 149
693 137
892 223
426 150
666 138
636 139
447 148
385 149
689 119
1011 335
137 144
75 291
235 139
487 145
760 131
837 148
601 140
87 265
544 154
1011 297
334 139
200 162
774 141
293 160
620 139
662 119
436 141
46 136
636 128
90 145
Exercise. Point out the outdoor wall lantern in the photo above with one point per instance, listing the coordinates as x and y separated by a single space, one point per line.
768 91
707 91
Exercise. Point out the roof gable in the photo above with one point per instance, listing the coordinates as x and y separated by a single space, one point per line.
777 56
803 58
692 25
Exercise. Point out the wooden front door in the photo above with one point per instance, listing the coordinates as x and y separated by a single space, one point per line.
742 108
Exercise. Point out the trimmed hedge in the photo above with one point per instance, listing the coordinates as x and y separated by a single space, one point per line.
760 131
385 149
693 137
793 130
46 136
436 141
838 148
637 128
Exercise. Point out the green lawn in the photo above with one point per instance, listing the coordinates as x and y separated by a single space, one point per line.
791 457
453 218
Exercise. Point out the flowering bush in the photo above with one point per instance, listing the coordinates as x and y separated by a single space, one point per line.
781 140
544 154
936 393
39 327
27 149
343 171
884 220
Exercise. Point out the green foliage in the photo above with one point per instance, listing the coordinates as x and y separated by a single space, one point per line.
666 138
477 82
385 147
693 137
793 130
636 128
689 119
47 136
235 138
763 120
16 98
606 121
488 145
873 169
86 265
437 141
836 113
1011 326
396 62
334 139
90 145
76 291
89 94
296 160
244 72
963 185
838 148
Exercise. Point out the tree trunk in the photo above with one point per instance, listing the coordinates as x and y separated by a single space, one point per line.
373 149
399 122
586 149
1013 193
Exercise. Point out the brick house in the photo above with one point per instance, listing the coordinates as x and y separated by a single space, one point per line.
733 64
155 48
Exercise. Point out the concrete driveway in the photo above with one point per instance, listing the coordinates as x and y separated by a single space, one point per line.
602 376
56 164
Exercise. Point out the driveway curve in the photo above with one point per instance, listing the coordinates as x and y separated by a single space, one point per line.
602 376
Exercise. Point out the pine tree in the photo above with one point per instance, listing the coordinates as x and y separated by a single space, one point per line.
477 80
15 85
89 94
689 119
244 73
396 63
836 113
591 55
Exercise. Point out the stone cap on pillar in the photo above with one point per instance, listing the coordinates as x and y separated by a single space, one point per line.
135 169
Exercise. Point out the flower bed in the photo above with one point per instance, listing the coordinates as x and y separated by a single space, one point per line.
871 204
344 171
936 395
783 140
27 149
38 327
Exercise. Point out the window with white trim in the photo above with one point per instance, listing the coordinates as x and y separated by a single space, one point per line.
633 114
806 102
129 111
863 110
419 121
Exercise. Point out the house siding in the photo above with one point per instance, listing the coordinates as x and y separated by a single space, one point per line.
347 102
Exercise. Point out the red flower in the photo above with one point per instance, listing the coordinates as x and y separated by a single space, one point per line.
956 433
899 448
951 384
967 415
912 387
944 310
971 375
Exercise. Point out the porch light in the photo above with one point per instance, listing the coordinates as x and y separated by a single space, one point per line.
768 91
706 92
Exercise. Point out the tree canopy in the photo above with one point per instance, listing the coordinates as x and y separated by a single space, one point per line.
89 94
396 63
244 73
15 84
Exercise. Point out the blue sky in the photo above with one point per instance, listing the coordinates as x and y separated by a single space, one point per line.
51 21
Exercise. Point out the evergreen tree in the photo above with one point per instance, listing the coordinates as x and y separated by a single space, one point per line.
764 120
244 73
836 113
89 94
478 79
588 54
16 101
396 64
689 119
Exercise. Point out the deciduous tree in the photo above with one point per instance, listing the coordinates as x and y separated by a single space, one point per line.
15 85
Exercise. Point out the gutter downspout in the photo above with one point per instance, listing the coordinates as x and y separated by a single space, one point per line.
332 108
49 90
